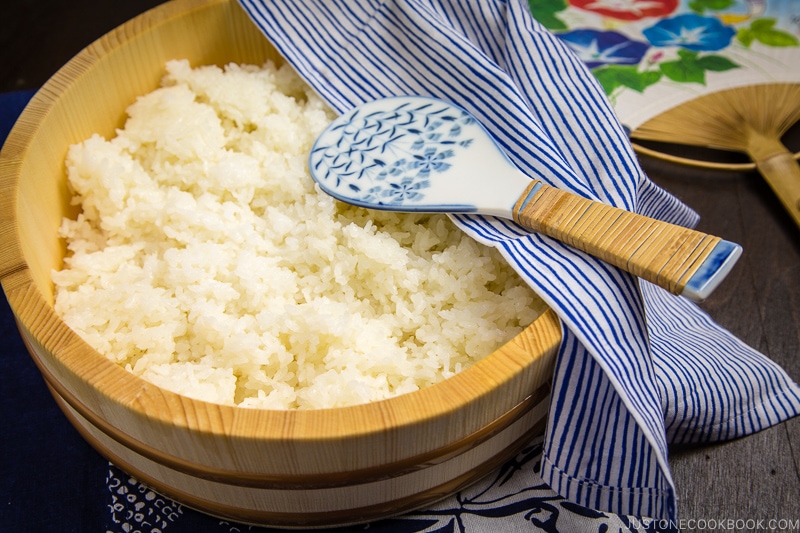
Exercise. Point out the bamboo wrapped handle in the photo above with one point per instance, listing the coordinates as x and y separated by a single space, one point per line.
678 259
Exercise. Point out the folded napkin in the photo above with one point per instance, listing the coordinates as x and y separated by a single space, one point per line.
638 368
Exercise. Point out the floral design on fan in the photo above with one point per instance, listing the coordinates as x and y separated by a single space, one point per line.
421 139
597 48
631 45
628 9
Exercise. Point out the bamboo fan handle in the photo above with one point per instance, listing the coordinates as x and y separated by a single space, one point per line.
782 172
680 260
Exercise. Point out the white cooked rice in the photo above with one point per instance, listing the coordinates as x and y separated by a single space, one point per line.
206 261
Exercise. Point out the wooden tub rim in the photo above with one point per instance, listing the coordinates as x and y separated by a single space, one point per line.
69 353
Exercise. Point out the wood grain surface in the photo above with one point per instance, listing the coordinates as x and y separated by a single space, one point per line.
757 477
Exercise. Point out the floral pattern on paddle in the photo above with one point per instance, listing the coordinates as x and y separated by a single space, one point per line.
354 153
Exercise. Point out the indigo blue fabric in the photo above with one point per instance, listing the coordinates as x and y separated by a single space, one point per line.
36 441
638 368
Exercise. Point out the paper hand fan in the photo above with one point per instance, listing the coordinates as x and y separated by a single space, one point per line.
722 74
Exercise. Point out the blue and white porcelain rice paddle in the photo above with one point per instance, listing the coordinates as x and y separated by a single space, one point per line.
419 154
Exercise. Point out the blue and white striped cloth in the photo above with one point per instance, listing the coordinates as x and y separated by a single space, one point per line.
638 368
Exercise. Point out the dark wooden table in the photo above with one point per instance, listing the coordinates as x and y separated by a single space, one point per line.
756 477
753 479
